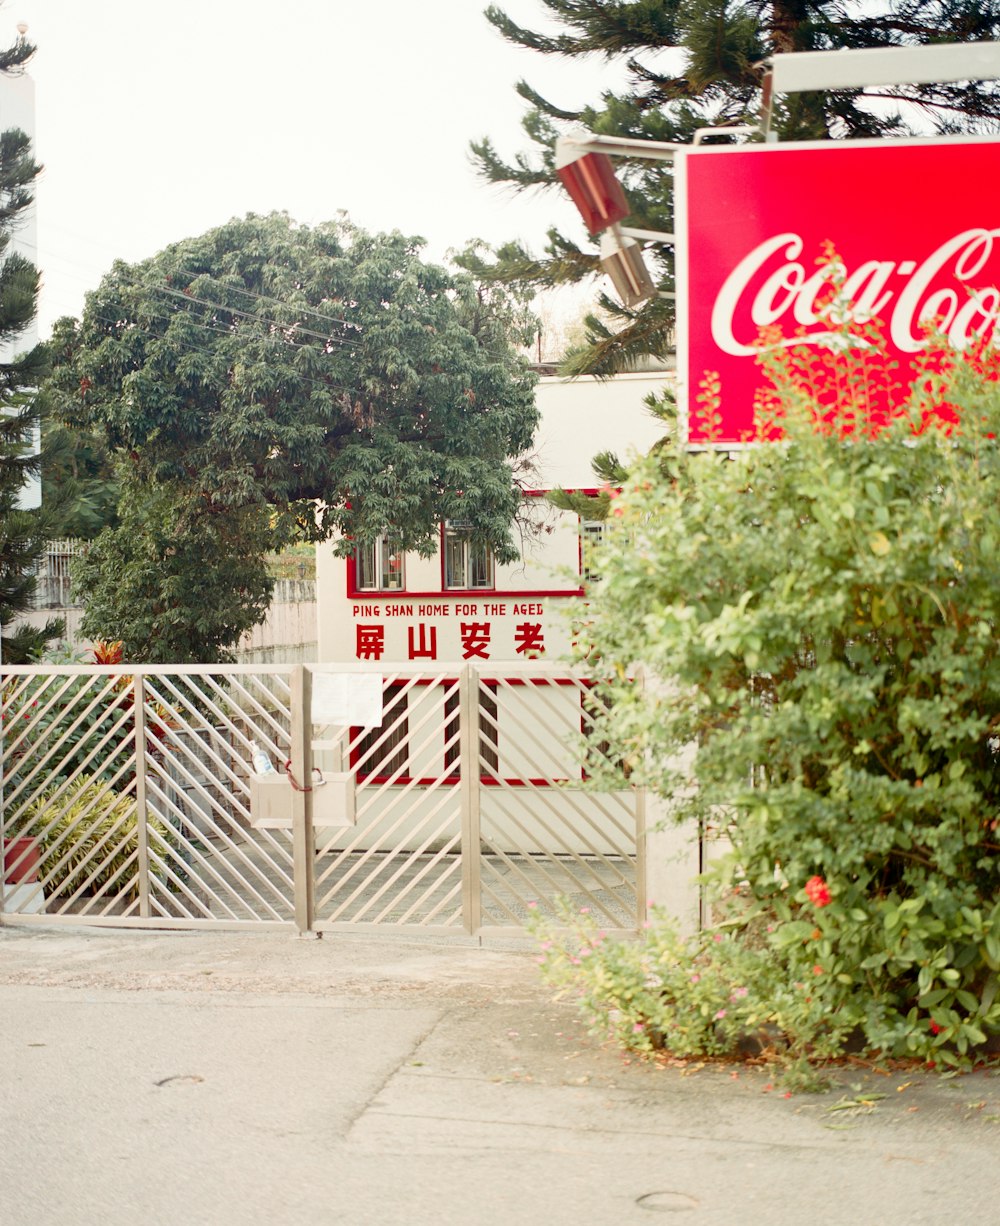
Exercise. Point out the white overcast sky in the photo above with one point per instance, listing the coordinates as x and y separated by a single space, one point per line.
158 119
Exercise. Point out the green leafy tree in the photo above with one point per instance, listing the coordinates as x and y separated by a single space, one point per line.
22 532
817 621
688 66
268 382
79 488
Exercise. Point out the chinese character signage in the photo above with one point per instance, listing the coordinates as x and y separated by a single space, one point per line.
451 630
914 225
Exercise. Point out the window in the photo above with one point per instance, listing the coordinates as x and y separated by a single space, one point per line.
383 751
593 533
488 736
378 567
467 564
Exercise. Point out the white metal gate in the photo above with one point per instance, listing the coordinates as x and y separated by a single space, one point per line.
128 797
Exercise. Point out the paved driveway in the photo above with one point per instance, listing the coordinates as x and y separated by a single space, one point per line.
196 1079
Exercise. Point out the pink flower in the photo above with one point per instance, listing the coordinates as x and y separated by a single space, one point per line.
818 892
637 1028
696 978
720 1015
531 905
738 993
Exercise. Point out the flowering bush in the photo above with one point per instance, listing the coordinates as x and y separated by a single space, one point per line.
822 611
715 994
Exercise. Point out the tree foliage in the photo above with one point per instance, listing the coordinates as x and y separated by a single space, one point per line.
79 486
688 66
22 532
817 620
268 381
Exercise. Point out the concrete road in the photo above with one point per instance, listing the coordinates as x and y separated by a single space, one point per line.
202 1079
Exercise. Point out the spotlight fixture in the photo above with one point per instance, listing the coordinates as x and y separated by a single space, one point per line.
592 184
621 259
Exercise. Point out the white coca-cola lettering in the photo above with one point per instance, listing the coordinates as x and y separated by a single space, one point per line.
973 249
787 293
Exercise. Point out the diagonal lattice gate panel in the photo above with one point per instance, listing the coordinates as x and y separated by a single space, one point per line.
544 839
69 793
201 732
400 863
127 796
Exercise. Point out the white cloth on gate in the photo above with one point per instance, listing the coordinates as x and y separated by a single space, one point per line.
347 699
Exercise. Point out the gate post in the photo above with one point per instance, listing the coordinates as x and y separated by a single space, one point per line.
141 799
300 777
469 792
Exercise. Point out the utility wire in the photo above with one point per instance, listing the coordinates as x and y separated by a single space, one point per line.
222 329
221 306
329 388
129 325
250 293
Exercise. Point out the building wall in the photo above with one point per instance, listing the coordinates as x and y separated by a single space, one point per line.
287 635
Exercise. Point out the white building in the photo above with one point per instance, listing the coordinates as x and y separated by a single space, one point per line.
454 634
458 605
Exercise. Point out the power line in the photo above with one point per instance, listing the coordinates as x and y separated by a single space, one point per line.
130 325
223 329
324 386
296 306
208 276
250 293
221 306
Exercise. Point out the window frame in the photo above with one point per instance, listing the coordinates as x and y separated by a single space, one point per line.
457 533
593 534
381 558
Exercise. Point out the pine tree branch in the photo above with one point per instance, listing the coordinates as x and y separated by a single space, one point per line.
542 105
648 332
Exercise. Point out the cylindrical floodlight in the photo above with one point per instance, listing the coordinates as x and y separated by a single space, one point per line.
591 182
621 259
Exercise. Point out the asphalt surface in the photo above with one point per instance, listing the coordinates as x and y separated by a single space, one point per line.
205 1079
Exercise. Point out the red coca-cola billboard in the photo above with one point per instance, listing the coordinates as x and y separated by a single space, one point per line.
915 226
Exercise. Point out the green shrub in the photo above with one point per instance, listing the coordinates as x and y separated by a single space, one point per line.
89 839
817 621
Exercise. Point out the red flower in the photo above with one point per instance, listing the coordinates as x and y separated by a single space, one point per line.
818 892
935 1028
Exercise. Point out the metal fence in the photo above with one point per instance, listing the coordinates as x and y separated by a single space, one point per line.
128 796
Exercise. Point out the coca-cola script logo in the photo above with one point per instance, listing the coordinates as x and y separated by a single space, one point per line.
903 293
759 228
